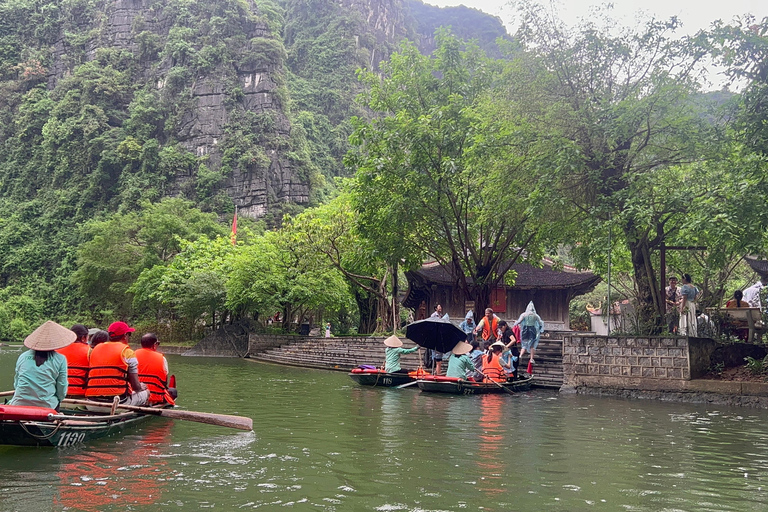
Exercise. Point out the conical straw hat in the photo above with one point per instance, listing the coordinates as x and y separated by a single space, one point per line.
50 336
393 341
462 347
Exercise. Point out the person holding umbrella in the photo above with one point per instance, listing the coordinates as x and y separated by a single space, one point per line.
436 334
393 352
460 365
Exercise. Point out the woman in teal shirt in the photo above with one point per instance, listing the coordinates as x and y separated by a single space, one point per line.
392 354
460 365
41 372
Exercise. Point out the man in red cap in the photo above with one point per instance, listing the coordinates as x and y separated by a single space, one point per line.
114 369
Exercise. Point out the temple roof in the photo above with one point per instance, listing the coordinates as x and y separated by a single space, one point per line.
758 265
528 278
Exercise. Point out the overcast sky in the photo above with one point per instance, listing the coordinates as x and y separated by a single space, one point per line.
695 14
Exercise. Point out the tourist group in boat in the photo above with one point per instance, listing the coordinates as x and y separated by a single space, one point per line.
492 356
90 364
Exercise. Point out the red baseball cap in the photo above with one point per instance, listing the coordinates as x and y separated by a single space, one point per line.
119 328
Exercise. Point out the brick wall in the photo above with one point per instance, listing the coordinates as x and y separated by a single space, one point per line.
616 360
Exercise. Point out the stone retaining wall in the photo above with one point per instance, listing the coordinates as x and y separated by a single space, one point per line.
261 342
624 361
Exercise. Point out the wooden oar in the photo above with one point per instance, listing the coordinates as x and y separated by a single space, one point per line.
6 393
222 420
401 386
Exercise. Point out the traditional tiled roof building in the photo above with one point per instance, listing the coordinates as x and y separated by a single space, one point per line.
550 290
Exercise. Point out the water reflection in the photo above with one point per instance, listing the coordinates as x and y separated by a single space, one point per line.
323 443
128 472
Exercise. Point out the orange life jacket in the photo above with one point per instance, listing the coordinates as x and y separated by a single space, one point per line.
108 373
152 373
77 367
490 330
494 370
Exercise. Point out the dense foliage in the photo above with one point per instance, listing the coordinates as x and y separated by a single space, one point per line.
482 154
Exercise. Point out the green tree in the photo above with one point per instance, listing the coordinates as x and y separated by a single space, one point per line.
622 104
120 247
273 274
443 169
331 230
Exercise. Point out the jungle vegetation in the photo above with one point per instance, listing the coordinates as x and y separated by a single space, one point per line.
475 155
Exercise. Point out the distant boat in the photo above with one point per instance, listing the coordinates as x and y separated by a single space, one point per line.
456 386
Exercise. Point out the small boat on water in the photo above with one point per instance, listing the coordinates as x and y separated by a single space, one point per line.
456 386
378 377
39 426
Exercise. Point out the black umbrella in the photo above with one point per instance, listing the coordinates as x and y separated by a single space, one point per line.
435 333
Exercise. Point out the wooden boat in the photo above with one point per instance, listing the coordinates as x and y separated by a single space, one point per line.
378 377
37 426
456 386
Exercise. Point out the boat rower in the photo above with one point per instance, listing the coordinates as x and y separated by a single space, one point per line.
460 365
153 371
114 369
393 352
41 372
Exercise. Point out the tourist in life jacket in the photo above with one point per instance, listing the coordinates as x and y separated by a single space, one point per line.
492 363
488 326
41 372
460 365
393 352
153 371
114 369
77 361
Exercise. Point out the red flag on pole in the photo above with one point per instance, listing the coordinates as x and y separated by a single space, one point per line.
234 228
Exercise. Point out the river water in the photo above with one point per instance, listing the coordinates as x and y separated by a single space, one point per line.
321 442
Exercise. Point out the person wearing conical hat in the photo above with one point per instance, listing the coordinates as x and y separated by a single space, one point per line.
393 352
460 365
41 372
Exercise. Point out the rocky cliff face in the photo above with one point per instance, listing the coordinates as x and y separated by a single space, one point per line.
223 68
216 95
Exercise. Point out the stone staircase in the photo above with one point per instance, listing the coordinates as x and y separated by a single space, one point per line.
343 354
548 369
334 353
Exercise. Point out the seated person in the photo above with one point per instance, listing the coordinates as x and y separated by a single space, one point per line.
114 369
153 371
77 361
492 363
477 358
739 326
737 301
41 372
393 352
460 365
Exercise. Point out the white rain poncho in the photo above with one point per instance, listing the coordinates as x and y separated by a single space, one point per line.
531 327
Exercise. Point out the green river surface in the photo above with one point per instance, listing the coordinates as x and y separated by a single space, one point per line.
321 442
